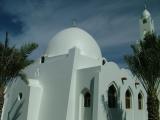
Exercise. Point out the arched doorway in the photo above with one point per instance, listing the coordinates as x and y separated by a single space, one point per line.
85 105
112 97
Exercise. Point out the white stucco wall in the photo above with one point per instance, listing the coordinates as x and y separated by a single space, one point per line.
55 92
56 79
13 107
112 74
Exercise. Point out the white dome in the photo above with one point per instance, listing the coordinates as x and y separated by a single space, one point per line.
70 38
146 13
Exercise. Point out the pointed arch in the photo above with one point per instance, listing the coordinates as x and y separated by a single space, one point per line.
128 98
112 95
140 100
85 105
86 97
114 84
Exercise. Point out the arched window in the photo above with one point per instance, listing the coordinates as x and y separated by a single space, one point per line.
20 95
140 101
87 99
144 21
128 98
112 97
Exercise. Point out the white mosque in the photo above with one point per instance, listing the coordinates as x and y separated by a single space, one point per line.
72 81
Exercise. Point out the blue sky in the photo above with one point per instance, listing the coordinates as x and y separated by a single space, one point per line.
113 23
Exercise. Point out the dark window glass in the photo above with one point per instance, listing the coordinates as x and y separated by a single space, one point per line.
103 62
20 95
144 21
112 97
42 59
140 101
128 99
87 99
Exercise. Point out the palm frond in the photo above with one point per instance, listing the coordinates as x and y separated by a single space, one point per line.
13 60
27 49
145 62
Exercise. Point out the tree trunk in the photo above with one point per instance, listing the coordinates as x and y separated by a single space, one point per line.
1 100
153 107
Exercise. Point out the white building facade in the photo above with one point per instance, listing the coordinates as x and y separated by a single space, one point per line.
72 81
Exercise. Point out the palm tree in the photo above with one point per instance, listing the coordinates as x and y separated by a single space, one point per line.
12 61
144 63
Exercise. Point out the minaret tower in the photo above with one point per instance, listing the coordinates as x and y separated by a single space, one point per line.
146 23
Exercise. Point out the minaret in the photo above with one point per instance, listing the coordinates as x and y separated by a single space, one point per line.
146 23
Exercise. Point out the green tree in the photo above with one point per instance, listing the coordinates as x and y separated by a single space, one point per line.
144 63
12 61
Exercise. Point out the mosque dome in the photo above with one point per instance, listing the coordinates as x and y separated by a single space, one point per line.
72 37
146 13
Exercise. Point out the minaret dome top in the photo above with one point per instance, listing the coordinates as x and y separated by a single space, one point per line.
146 13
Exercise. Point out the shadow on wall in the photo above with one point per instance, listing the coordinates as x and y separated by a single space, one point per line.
114 113
17 112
